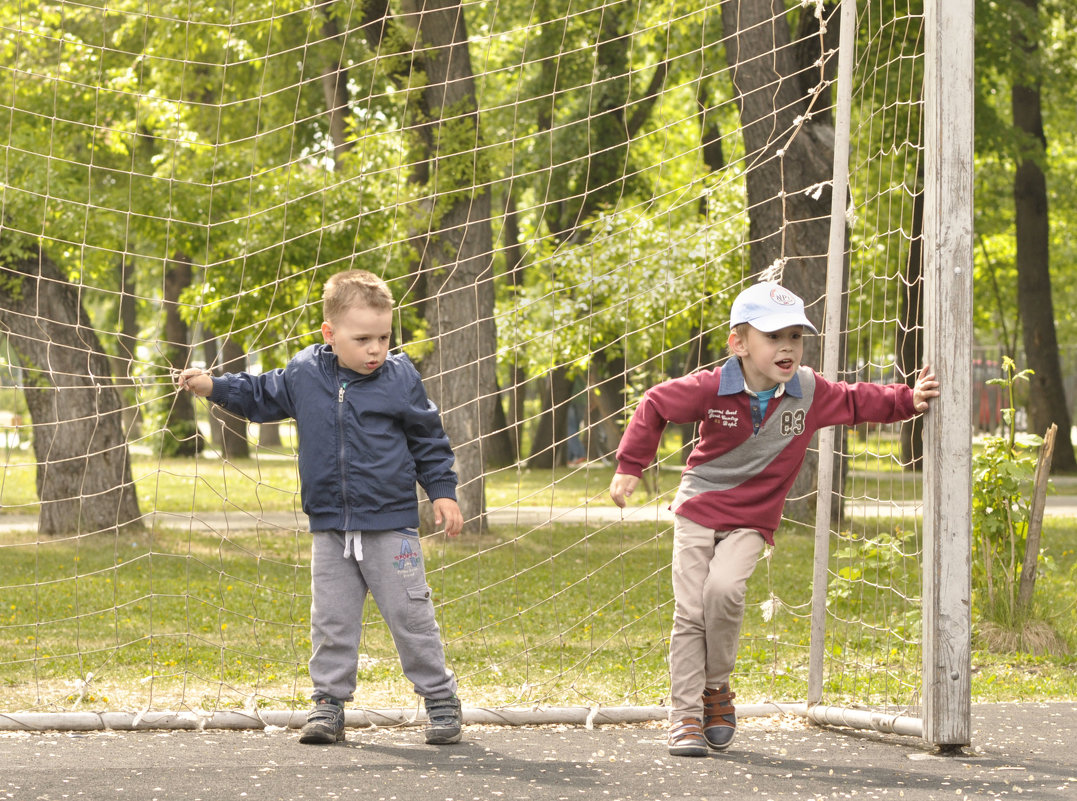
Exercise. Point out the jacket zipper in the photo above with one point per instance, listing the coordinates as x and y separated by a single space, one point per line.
341 454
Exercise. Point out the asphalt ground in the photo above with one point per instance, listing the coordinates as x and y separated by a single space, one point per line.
1019 750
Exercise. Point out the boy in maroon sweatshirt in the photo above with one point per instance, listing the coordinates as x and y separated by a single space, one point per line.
756 416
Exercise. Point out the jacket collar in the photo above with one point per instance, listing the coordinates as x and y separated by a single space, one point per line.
731 381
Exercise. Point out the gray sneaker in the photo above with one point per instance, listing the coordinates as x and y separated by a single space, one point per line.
325 723
445 721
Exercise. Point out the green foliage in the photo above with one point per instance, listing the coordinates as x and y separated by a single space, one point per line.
1000 64
887 562
637 290
203 141
1002 472
14 248
210 141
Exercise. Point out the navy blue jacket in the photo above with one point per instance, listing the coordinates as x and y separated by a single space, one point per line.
364 440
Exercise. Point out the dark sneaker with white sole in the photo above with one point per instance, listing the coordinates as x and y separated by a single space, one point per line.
445 723
325 723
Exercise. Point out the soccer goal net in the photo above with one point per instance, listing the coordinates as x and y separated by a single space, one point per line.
564 199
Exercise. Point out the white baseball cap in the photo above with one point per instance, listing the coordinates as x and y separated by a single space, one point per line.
769 307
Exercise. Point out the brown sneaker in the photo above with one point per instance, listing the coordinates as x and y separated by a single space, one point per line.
686 738
719 717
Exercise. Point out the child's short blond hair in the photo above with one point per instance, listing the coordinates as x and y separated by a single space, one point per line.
354 288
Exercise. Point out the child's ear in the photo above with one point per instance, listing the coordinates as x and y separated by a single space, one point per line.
327 333
737 346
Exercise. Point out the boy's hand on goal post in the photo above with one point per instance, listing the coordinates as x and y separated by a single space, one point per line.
621 487
925 388
194 380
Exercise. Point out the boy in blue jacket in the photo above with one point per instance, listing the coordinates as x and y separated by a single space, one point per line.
367 433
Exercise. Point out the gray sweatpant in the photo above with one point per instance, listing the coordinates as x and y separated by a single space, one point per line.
392 569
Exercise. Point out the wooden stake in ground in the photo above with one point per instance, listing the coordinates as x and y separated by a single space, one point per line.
1035 520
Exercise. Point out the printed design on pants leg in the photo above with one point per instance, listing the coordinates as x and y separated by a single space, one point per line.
408 561
410 557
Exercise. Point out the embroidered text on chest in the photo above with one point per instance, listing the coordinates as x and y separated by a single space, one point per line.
727 417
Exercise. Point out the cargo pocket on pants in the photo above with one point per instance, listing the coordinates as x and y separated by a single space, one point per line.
420 610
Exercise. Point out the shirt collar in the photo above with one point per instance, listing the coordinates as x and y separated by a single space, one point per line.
731 381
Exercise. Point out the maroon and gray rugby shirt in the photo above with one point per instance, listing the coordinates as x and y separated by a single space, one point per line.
740 471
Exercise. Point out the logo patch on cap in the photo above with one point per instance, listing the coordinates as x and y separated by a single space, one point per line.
783 296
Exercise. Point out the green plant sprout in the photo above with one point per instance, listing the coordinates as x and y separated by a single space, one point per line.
1002 473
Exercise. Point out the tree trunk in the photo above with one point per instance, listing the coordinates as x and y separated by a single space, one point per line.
335 86
269 435
787 225
500 449
710 135
127 341
600 137
789 145
1047 397
548 444
503 445
605 402
227 431
455 240
126 336
181 431
83 470
710 132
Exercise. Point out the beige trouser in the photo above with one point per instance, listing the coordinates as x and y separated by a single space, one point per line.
710 576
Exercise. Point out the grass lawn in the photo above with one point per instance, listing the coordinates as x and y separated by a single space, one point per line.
268 481
554 615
